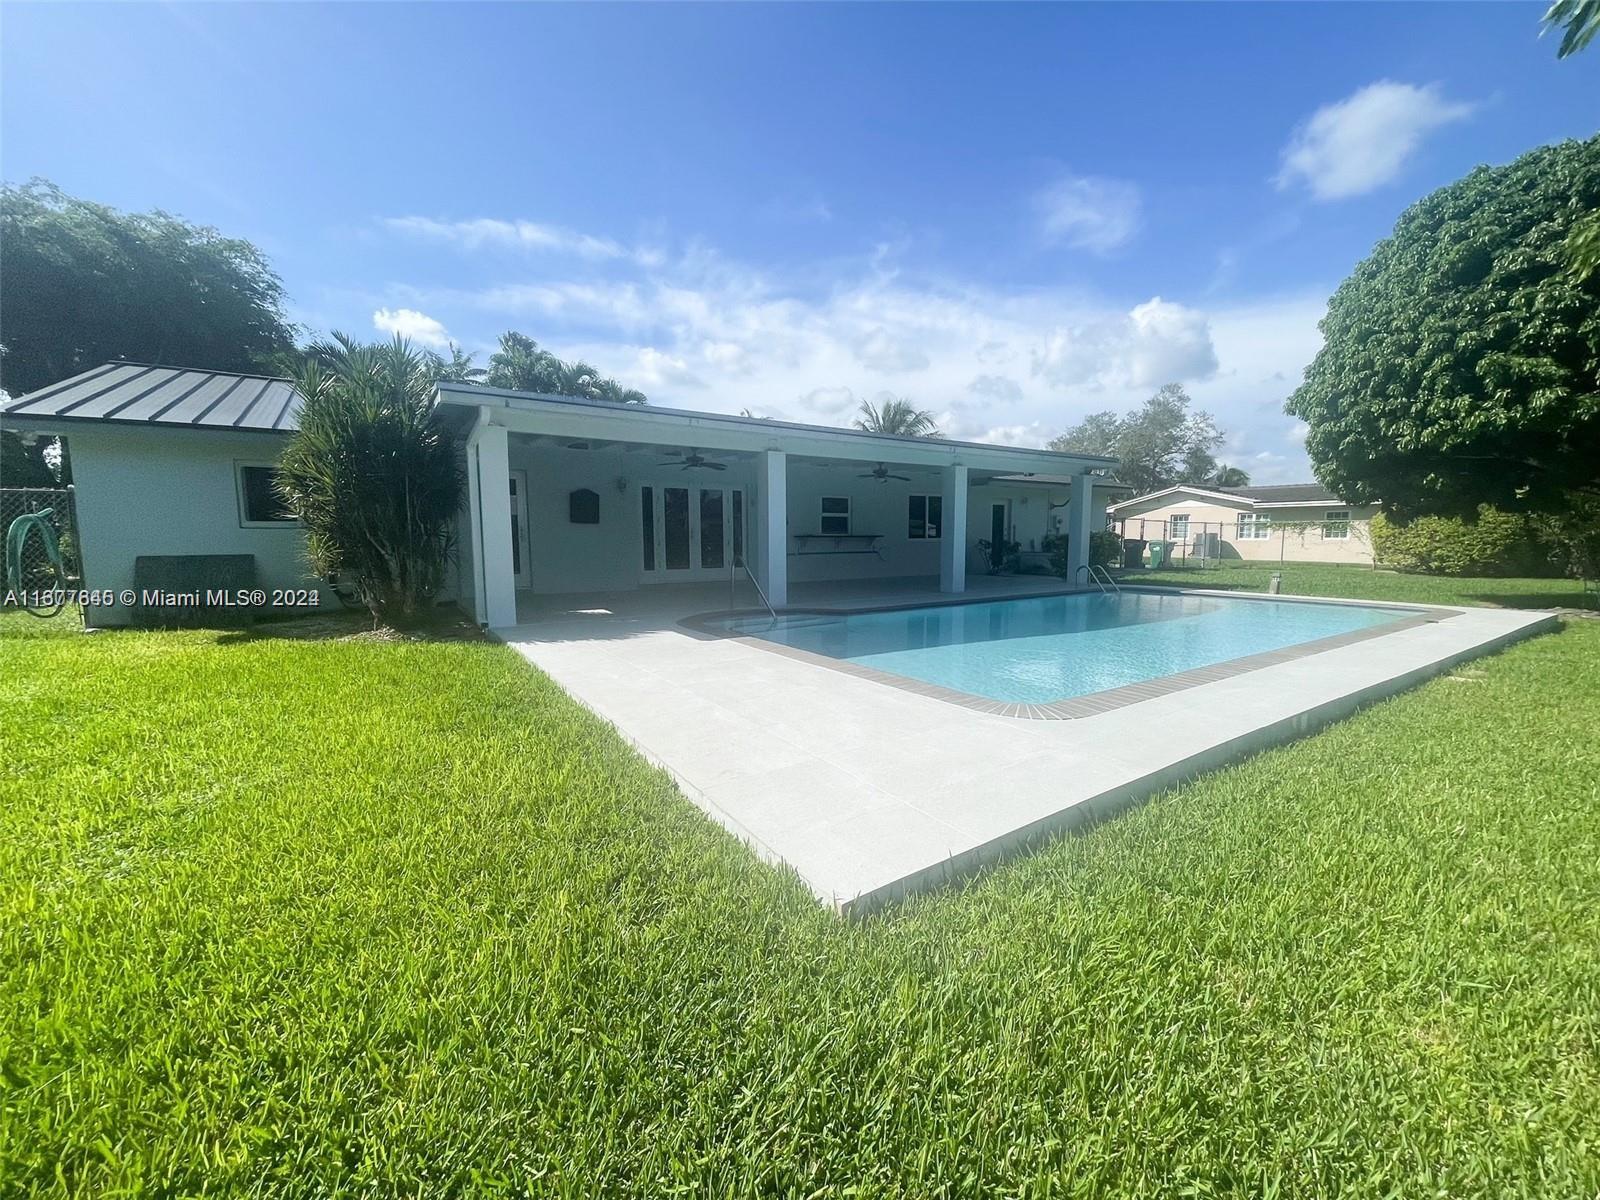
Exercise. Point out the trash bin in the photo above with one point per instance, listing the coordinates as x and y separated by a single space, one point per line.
1132 553
1159 553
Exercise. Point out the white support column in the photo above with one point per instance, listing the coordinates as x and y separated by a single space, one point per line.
490 464
953 537
772 489
1080 525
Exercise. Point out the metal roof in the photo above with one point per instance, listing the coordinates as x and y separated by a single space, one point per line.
142 393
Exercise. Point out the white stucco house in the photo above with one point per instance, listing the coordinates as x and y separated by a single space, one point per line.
1292 522
565 495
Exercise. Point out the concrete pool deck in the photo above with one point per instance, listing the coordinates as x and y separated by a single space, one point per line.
870 792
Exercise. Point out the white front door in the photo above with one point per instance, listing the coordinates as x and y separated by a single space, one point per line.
689 531
519 529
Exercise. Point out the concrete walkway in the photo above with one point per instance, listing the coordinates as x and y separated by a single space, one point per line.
869 792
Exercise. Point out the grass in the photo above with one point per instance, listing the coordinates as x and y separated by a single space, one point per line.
348 918
1364 583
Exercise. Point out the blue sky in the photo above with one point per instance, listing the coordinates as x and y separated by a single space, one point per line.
1012 215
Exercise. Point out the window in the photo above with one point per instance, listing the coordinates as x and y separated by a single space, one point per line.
259 502
835 515
1336 525
924 517
1253 527
1178 530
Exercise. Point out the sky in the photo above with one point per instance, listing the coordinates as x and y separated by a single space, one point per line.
1011 215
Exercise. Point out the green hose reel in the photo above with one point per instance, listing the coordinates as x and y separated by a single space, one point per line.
36 574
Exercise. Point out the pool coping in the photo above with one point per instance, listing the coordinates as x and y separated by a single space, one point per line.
1074 707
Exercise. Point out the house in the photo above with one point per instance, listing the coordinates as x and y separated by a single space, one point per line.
1297 522
565 495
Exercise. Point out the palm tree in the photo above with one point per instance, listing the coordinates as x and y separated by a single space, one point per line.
458 368
1231 477
522 365
372 474
897 417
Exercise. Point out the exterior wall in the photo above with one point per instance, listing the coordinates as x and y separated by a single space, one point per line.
566 558
146 490
874 508
1286 544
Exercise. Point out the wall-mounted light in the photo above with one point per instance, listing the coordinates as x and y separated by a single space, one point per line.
622 484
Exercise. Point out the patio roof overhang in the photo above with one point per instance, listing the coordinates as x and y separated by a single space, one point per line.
590 420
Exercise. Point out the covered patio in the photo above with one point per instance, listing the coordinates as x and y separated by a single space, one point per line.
569 498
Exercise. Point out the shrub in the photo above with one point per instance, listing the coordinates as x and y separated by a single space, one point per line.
1105 550
1493 543
373 476
1573 537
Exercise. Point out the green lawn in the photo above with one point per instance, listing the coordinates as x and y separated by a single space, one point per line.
343 917
1363 583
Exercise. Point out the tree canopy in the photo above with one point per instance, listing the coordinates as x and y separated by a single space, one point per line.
85 283
896 416
1461 360
1159 444
522 365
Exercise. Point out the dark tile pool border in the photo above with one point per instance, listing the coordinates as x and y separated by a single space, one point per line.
1077 706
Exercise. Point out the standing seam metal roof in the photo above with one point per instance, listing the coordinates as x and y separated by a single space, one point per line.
149 394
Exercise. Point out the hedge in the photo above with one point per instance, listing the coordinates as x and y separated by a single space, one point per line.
1494 543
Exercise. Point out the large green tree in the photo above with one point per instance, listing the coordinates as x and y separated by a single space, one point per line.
84 283
523 365
1461 360
1157 445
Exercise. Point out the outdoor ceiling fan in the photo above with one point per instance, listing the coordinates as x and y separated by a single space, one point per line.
881 474
695 459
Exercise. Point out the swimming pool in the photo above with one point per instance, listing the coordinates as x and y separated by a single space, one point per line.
1047 649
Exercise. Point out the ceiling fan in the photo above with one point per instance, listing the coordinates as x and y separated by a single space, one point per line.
881 474
695 459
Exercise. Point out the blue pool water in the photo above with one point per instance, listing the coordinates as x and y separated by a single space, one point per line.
1050 648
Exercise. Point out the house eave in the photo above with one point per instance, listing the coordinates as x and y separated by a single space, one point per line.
568 416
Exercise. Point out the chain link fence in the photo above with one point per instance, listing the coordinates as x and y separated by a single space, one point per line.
38 571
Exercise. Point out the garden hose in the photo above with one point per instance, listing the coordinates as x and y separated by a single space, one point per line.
35 589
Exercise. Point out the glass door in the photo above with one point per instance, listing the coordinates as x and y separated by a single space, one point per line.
689 532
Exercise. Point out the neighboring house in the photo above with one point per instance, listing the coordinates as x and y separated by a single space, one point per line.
1296 522
565 495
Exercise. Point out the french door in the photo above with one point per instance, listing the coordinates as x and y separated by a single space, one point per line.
689 531
520 566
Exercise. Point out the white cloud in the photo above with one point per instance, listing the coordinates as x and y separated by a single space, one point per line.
526 235
1000 388
1088 212
656 369
411 324
1156 342
879 350
996 364
1363 141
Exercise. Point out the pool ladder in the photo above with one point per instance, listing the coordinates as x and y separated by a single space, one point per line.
739 558
1101 578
